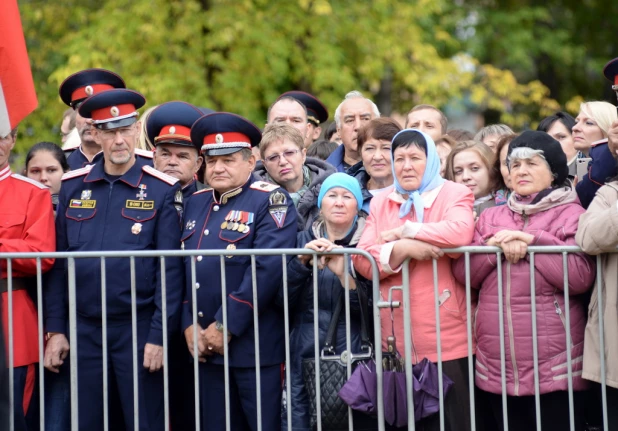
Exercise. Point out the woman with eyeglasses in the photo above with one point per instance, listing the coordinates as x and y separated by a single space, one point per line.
284 162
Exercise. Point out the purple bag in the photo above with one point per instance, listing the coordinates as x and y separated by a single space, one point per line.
360 391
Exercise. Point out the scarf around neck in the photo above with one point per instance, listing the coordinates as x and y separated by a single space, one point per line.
431 179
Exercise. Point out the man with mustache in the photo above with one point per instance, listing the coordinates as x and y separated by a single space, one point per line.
169 129
116 204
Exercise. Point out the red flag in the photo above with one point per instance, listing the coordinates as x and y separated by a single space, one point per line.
17 94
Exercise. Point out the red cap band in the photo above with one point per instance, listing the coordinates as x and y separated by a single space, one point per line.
226 138
109 113
89 90
174 131
616 80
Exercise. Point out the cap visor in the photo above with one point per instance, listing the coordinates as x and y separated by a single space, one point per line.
222 151
116 124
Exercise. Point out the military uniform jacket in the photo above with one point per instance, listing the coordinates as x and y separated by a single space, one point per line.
26 225
137 211
76 159
269 223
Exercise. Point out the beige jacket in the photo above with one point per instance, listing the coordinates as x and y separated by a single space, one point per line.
598 235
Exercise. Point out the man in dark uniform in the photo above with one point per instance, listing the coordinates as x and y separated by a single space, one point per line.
169 128
116 204
316 114
237 212
74 90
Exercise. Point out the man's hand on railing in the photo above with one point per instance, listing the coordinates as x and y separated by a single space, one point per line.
56 352
153 357
202 351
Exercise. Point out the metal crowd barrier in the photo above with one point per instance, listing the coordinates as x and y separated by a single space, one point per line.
285 254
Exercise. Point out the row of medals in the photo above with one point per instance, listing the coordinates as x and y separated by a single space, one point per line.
235 226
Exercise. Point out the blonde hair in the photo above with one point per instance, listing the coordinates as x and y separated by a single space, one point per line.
278 132
603 113
143 143
487 157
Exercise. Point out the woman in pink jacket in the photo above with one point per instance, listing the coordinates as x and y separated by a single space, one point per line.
543 210
414 218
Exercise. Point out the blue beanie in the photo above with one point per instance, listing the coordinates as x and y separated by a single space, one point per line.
345 181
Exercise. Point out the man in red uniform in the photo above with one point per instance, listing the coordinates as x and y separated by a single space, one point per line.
26 225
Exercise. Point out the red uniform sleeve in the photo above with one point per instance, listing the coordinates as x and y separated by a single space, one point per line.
28 229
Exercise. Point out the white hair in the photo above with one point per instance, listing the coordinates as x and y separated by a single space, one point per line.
354 95
525 153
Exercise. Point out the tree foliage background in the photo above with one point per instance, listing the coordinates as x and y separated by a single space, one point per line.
514 61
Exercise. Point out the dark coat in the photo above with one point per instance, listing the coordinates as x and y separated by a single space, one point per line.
358 171
600 170
300 291
307 208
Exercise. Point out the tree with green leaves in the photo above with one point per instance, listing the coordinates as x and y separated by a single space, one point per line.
239 56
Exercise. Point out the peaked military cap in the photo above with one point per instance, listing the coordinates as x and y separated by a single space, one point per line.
222 133
316 111
83 84
170 123
112 109
611 72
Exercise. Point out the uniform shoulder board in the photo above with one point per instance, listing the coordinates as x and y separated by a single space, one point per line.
264 186
143 153
72 147
206 190
29 180
160 175
77 172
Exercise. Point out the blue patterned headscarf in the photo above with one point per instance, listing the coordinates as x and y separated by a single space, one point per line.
431 177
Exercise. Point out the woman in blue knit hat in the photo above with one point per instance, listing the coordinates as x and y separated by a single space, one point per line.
338 226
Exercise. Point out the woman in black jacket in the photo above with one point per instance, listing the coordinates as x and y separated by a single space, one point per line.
338 226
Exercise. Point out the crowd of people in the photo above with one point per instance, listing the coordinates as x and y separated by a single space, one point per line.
185 177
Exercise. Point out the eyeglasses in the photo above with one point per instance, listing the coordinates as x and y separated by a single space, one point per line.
111 134
276 157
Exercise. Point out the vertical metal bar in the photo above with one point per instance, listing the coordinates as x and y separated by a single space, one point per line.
166 384
256 327
73 344
286 323
39 296
316 343
470 341
377 329
348 335
505 418
104 344
9 278
602 341
134 343
407 341
196 352
436 299
565 267
226 356
535 347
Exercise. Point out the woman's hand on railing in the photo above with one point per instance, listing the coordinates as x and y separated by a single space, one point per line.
511 235
415 249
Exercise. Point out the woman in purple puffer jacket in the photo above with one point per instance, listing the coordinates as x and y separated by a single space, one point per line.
543 210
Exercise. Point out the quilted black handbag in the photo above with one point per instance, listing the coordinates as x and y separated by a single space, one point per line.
333 372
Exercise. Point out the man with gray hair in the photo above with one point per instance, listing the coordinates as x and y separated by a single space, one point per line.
352 113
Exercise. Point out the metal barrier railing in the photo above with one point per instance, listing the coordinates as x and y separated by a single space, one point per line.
73 260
